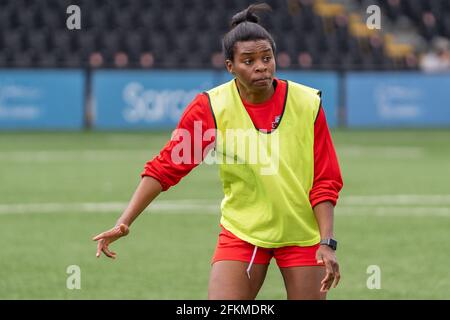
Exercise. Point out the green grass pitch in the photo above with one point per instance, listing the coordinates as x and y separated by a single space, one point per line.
57 190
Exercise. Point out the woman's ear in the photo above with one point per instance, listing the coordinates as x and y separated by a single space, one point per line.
229 65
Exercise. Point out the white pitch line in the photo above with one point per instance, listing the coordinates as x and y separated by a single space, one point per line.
399 199
208 207
383 152
124 154
75 155
100 207
394 211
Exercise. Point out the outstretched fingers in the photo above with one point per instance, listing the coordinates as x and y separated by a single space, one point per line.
102 246
108 253
99 236
105 238
337 277
99 248
108 234
329 277
116 232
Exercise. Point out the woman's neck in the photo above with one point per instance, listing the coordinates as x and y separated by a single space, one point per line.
254 97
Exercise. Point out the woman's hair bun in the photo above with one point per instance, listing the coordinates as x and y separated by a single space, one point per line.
249 14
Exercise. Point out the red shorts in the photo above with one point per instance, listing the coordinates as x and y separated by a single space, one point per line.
230 247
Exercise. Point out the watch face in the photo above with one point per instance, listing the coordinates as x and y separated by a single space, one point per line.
330 242
333 244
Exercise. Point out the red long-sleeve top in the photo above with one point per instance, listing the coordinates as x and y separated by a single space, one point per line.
327 176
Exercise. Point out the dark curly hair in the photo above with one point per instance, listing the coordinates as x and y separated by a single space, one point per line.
245 27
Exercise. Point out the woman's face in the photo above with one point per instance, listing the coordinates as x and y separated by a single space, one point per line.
253 65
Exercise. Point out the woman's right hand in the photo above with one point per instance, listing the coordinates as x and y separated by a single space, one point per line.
107 237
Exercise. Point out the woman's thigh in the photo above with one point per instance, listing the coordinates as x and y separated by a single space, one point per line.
303 283
229 280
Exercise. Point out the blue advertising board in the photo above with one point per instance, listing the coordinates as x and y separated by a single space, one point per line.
145 99
401 99
156 99
41 99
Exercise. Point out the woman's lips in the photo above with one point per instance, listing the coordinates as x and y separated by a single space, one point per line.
262 81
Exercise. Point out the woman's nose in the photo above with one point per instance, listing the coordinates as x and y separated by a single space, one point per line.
261 67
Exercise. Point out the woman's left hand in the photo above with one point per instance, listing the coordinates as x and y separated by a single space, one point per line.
327 256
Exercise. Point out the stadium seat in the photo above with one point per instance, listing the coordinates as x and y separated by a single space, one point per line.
36 33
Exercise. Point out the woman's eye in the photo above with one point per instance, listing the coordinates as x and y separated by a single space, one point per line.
267 59
247 62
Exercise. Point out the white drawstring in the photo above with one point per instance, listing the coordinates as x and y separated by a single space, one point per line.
251 262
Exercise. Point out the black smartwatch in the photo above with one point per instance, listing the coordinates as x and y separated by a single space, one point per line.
329 242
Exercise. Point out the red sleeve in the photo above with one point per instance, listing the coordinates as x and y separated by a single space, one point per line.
185 150
327 174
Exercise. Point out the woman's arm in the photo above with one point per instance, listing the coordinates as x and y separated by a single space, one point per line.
323 196
195 121
324 213
147 190
327 174
162 172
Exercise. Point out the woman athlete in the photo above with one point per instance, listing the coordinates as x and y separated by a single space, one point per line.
286 212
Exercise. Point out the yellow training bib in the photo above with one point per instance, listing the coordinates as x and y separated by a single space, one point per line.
267 177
